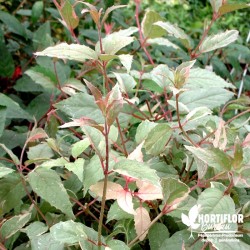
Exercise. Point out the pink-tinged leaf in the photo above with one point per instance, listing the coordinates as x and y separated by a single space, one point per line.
220 140
137 154
82 122
142 222
246 142
147 191
97 95
124 200
113 190
114 102
67 13
36 134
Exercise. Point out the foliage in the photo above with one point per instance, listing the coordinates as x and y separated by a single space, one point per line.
116 131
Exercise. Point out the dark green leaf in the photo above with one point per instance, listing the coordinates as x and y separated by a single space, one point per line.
47 184
12 24
11 192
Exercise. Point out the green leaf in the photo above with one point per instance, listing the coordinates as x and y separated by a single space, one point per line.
220 40
162 42
229 245
175 31
174 191
11 192
238 155
125 81
5 171
117 245
3 111
12 24
81 105
116 213
162 75
97 140
77 168
229 7
202 78
47 184
110 9
68 14
150 30
113 43
156 235
42 76
74 52
7 66
42 36
181 240
37 10
242 179
214 201
210 98
137 170
143 130
79 147
35 229
69 232
114 104
14 111
13 225
126 61
93 172
157 139
46 242
40 151
214 157
11 154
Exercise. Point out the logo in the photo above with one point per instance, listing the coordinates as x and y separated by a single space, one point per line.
213 227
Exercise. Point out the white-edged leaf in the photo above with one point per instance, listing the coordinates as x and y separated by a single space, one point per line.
174 191
162 75
113 190
124 200
48 185
74 52
137 170
137 154
210 98
13 225
126 82
113 43
5 171
198 113
216 4
150 30
110 9
202 78
126 61
35 229
163 42
68 232
142 222
177 32
219 40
